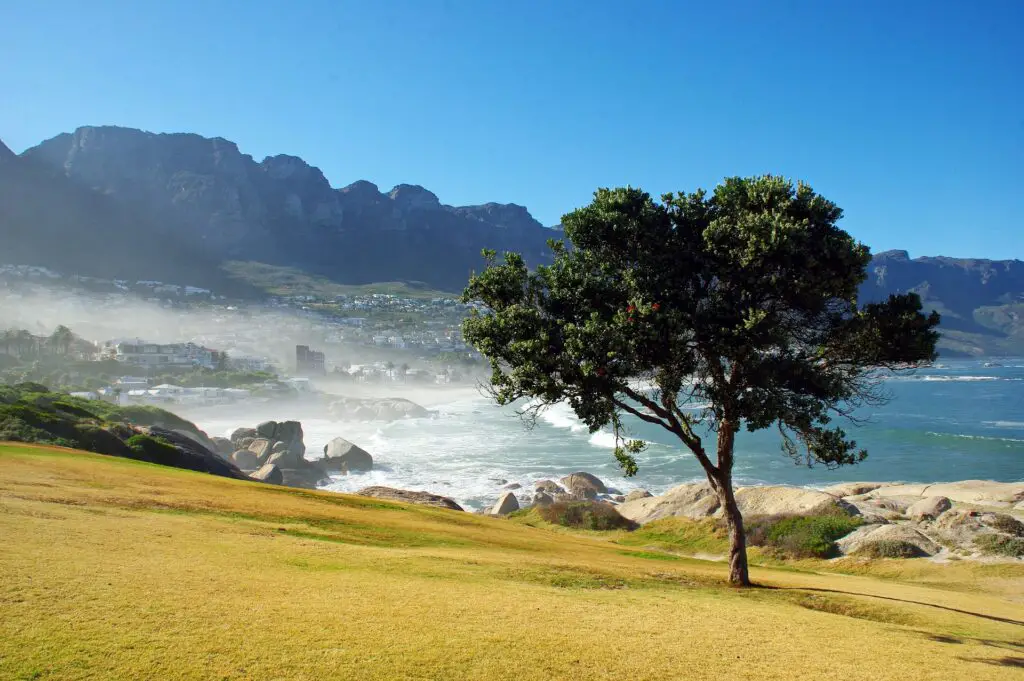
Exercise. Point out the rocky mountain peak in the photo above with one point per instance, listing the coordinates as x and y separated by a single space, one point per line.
508 215
413 196
5 153
293 169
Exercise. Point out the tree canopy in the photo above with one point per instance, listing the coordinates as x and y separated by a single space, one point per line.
735 309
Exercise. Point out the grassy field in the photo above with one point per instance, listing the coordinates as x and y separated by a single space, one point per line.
116 569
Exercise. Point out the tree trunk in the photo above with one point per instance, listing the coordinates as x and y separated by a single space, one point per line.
738 573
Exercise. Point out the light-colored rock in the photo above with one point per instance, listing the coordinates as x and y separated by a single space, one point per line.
865 510
279 447
780 500
583 485
266 429
894 504
929 508
549 486
1019 507
979 492
245 460
542 498
340 455
694 500
871 534
284 459
638 494
224 446
241 433
375 409
261 447
269 473
512 485
849 489
506 504
409 497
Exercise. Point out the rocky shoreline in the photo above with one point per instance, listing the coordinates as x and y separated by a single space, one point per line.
972 519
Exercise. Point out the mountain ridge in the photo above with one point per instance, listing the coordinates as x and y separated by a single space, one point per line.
122 201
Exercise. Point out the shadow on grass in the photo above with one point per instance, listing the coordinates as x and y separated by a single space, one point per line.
839 592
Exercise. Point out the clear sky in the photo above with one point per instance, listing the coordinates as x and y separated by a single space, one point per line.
908 114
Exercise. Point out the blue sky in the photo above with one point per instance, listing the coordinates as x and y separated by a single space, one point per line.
908 114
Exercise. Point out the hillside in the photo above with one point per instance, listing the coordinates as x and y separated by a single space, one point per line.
30 413
164 573
981 301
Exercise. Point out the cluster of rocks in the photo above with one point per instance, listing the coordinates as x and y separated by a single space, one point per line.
375 409
273 452
922 520
579 486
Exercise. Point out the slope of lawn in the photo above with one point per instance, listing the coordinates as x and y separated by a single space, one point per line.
117 569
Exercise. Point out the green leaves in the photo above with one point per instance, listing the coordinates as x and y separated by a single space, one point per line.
745 299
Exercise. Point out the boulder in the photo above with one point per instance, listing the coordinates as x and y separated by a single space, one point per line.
375 409
583 485
618 498
245 460
638 494
865 510
542 498
308 476
506 504
850 489
269 473
285 459
549 486
261 447
694 500
512 485
290 432
409 497
978 492
240 433
861 538
929 508
266 429
781 500
342 456
224 446
279 447
244 442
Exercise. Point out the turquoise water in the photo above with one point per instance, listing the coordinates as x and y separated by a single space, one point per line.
959 420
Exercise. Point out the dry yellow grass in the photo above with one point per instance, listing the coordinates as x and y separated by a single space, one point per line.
112 569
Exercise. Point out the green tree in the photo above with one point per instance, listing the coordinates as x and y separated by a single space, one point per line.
703 315
61 339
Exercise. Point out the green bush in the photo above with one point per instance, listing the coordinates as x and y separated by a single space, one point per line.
585 515
1000 545
1008 524
812 536
889 548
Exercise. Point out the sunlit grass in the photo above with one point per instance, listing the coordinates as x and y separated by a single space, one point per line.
114 569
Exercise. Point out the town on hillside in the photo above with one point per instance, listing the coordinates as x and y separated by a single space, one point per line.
149 342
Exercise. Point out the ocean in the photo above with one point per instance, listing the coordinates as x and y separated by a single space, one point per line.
958 420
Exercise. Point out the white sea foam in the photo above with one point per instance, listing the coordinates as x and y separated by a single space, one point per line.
1004 424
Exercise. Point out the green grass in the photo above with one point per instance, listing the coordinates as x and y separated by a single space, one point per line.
286 281
889 548
118 569
1000 545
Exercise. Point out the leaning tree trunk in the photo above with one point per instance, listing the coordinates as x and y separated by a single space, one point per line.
722 482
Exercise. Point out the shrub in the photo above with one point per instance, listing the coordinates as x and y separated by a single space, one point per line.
1007 524
585 515
812 536
889 548
153 450
1000 545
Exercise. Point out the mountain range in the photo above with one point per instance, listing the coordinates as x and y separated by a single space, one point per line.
119 202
